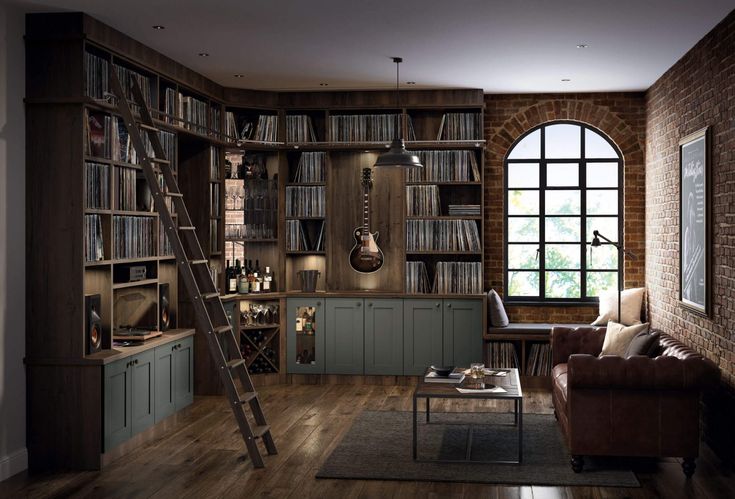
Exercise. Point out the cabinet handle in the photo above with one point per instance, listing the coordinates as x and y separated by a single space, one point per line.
318 304
359 304
370 304
178 346
135 362
438 304
449 305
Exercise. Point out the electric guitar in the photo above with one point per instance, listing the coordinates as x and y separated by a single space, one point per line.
365 256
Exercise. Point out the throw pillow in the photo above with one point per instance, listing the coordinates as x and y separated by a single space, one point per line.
644 343
631 301
498 317
619 336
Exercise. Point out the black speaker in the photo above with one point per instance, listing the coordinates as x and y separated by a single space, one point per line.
93 326
165 315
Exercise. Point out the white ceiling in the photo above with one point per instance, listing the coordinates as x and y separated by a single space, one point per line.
501 46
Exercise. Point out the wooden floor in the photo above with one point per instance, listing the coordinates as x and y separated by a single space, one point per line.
203 456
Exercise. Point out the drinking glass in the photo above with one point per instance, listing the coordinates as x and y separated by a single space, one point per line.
477 371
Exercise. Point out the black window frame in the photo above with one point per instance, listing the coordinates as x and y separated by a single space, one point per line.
585 239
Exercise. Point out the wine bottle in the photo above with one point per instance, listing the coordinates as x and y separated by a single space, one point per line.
231 278
256 282
267 280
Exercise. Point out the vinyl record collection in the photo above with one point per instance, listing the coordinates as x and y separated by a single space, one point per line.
144 82
445 166
466 210
214 199
422 200
417 278
305 201
215 116
164 245
539 360
460 126
297 238
501 354
133 236
311 168
97 72
97 134
215 162
366 127
93 239
299 128
213 236
458 277
126 189
267 129
190 111
442 235
97 186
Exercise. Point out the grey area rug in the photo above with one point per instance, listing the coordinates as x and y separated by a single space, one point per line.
378 447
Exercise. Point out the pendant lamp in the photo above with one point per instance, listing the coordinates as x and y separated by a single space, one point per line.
397 155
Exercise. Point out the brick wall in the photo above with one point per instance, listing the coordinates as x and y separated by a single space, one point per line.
698 91
619 115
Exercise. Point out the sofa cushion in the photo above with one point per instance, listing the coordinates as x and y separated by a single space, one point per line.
498 317
631 302
618 337
559 377
644 343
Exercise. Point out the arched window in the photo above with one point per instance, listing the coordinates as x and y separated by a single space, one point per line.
563 180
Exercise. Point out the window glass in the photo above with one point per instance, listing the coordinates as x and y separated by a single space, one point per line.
528 148
523 203
563 141
595 146
523 229
523 256
562 174
522 175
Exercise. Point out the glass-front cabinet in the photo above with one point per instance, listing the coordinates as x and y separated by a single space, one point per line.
305 335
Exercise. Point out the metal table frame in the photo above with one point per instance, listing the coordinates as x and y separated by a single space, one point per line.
518 421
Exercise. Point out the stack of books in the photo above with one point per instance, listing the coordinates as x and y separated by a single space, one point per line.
454 378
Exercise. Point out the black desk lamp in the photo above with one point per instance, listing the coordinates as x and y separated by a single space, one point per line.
622 252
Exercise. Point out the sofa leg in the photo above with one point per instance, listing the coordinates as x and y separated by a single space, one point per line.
577 463
688 465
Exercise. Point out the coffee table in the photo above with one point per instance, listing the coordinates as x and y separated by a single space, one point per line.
511 383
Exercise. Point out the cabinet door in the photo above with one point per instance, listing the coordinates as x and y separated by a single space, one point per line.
383 336
184 373
462 332
117 386
164 381
305 341
422 335
344 335
143 399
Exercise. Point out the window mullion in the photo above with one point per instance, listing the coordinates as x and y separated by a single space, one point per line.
583 222
542 217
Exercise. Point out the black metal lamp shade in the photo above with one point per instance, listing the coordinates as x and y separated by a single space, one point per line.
398 156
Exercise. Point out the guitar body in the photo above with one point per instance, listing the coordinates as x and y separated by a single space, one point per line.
365 256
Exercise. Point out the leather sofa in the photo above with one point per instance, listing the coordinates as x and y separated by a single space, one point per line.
640 406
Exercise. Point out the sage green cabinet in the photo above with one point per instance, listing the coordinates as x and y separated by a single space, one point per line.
164 382
305 335
422 335
383 336
142 394
462 332
344 335
118 387
183 372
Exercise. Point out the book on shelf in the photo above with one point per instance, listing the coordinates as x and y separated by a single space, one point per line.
93 238
297 239
305 201
467 210
133 236
417 278
538 362
97 185
367 127
502 354
299 128
422 200
97 72
311 168
442 235
445 166
460 126
458 277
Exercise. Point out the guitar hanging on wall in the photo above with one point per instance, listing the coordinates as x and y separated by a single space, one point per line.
365 256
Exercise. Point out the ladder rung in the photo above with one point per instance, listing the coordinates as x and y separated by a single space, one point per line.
187 227
232 364
222 329
209 296
174 194
247 397
160 160
198 262
259 431
148 128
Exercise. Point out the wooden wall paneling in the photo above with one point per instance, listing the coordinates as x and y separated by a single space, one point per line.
55 69
98 280
137 306
370 99
168 273
306 262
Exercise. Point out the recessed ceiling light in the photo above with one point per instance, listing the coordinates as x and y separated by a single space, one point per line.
324 84
239 76
158 26
203 54
566 79
582 46
410 83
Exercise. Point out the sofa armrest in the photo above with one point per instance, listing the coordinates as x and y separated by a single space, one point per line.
566 341
640 372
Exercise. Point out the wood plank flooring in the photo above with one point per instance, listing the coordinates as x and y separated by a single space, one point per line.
204 456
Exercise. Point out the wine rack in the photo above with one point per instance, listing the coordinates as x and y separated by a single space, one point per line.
259 326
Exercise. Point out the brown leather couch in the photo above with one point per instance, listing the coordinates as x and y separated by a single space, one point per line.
640 406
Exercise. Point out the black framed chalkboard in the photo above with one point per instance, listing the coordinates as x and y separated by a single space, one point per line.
694 222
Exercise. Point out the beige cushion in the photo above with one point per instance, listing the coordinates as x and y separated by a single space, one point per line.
618 337
631 301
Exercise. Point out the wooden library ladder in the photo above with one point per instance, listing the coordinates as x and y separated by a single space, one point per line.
211 320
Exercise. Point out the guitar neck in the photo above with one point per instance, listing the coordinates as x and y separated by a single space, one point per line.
366 211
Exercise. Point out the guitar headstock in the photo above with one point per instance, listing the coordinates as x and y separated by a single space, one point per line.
367 177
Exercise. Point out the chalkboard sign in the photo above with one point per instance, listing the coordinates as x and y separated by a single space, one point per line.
694 227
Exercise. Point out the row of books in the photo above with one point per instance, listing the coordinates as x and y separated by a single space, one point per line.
297 239
502 354
305 201
458 277
299 128
126 198
93 240
133 236
367 127
97 185
417 278
442 235
311 168
422 200
445 166
185 110
460 126
538 362
464 210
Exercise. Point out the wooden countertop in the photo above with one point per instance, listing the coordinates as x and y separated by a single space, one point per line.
356 293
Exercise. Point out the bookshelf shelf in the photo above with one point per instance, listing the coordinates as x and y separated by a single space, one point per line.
135 284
